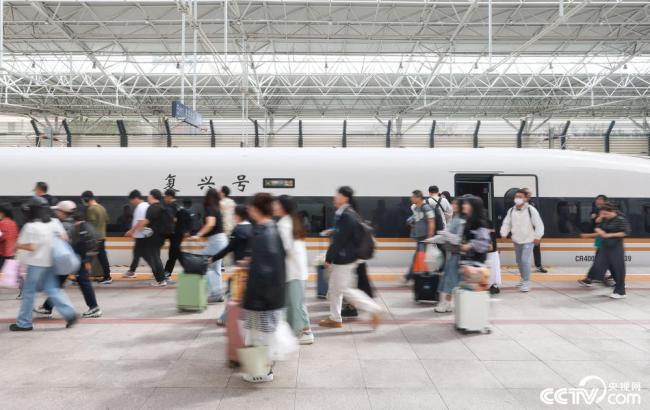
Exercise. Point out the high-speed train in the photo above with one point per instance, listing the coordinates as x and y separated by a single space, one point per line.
564 182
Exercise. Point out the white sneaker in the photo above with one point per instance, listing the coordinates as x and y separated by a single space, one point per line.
443 307
160 284
519 284
617 296
258 379
306 338
525 287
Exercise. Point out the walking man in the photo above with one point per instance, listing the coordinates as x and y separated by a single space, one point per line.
527 229
139 213
182 227
96 214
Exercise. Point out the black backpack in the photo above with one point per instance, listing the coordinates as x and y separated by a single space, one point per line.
84 237
365 239
437 212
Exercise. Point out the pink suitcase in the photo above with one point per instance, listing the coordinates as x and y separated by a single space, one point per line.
233 331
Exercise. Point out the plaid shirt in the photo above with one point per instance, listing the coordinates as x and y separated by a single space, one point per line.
9 235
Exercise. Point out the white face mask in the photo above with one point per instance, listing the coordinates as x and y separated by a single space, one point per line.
519 201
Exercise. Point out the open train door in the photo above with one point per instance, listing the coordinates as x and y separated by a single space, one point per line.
504 188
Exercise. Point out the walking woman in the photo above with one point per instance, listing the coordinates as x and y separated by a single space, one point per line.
611 254
293 238
476 236
8 236
264 296
35 250
450 241
213 230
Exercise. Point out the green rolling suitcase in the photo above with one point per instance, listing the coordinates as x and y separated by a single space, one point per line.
191 292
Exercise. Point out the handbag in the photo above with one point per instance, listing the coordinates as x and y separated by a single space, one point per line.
254 360
10 274
194 263
64 260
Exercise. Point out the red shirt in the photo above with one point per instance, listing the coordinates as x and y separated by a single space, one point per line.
9 231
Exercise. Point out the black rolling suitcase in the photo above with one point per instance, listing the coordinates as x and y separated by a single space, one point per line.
425 287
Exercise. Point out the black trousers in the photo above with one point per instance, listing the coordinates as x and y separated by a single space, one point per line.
84 285
537 255
174 252
612 259
150 252
137 254
102 258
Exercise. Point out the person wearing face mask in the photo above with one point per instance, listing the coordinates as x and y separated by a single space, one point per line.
525 225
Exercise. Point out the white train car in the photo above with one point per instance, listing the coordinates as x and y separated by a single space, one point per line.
564 182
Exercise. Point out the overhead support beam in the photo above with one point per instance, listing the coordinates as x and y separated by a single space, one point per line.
300 133
475 136
37 139
565 130
168 131
520 134
344 136
608 133
390 123
124 138
68 134
432 135
213 137
257 134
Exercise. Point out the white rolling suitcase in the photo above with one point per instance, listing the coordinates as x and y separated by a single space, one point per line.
471 311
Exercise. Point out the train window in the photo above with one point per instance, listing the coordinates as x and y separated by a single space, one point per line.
568 216
646 217
279 183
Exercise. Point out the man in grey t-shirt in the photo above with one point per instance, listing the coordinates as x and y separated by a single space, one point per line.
422 222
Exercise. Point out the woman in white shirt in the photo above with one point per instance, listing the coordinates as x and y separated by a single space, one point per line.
293 235
35 250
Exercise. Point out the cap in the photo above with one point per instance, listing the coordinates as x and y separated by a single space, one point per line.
66 206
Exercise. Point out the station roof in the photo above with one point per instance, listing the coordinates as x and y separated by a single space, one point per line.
328 58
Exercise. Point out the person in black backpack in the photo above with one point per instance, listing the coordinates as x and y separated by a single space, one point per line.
84 242
182 228
342 259
441 207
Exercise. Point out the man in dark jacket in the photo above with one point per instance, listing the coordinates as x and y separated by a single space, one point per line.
182 228
342 260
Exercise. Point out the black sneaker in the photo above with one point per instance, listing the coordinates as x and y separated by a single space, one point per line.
71 322
542 269
609 282
349 311
585 282
15 328
494 290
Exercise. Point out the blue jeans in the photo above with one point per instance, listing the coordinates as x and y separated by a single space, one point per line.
44 278
523 254
215 244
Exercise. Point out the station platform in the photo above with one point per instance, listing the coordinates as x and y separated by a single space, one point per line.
143 354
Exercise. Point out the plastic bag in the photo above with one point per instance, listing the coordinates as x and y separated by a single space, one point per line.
283 342
420 260
434 258
64 260
10 275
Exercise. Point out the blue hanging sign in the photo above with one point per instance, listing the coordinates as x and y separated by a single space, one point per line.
184 113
